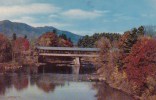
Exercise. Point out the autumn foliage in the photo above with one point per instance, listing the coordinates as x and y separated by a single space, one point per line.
20 44
141 62
5 49
48 39
51 39
130 66
64 43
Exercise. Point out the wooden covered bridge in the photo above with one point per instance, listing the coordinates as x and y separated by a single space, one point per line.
74 54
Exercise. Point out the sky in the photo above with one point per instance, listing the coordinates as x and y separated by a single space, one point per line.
83 17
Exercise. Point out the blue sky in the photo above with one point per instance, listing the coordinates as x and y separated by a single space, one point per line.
81 16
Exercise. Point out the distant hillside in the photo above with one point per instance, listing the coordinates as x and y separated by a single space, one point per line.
7 27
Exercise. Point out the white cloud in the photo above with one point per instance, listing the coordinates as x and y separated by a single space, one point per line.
92 31
54 24
33 22
53 16
82 14
82 32
25 19
13 2
118 17
20 10
150 15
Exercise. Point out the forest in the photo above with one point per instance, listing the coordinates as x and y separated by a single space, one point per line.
91 41
131 66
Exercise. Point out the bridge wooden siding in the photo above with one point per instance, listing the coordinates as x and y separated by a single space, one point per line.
68 55
67 51
73 52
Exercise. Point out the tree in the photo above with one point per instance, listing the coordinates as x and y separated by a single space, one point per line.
69 39
48 39
21 44
104 57
90 41
126 42
5 49
54 31
25 36
63 36
141 62
141 30
14 36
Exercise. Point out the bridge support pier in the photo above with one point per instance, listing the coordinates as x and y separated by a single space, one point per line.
76 66
76 69
77 61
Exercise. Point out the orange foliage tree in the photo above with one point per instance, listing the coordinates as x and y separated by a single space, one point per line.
141 62
51 39
48 39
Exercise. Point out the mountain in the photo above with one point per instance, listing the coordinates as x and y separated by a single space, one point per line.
8 28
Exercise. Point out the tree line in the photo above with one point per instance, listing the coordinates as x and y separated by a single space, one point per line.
91 41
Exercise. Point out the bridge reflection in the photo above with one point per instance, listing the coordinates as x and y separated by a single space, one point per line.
63 69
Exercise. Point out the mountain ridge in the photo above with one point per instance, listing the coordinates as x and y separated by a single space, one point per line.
8 27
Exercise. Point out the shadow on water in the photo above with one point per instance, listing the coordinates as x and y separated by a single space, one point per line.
65 69
52 68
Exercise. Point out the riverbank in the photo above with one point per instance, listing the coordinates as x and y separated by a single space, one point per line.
9 66
18 63
124 85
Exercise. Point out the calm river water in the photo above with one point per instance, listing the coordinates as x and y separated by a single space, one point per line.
52 83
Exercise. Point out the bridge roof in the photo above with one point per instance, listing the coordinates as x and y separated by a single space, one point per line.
68 48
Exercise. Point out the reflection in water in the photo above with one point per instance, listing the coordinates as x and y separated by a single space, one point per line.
30 84
53 68
2 86
44 87
47 83
105 92
20 82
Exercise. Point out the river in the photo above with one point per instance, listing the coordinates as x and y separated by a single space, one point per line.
55 83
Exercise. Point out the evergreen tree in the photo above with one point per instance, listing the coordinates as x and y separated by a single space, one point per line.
69 39
90 41
54 31
25 36
63 36
129 41
14 36
141 30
